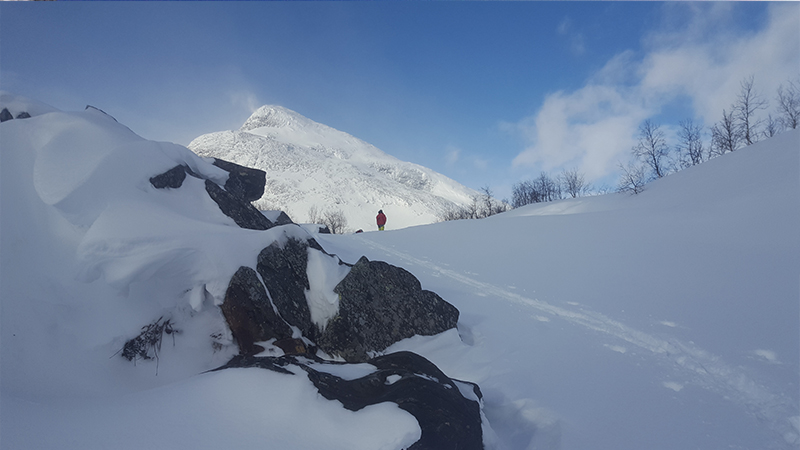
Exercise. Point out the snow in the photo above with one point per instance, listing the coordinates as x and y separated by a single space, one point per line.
324 272
310 165
668 319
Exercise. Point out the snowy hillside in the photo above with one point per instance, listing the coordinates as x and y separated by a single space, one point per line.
664 320
312 165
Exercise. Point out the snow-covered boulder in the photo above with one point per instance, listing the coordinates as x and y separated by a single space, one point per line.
447 410
250 314
232 199
348 311
244 182
380 304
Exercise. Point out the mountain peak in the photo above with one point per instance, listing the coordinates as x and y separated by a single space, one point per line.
273 116
310 165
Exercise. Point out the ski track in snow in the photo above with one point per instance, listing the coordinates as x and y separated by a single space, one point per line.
702 368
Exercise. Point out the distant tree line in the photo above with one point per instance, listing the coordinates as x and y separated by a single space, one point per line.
741 125
653 158
544 188
483 205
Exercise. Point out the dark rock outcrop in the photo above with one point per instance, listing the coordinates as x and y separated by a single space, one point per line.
448 419
380 304
283 269
233 200
243 213
249 313
173 178
278 217
23 115
5 114
244 182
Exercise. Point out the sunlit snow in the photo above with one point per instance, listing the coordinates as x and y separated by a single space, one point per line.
664 320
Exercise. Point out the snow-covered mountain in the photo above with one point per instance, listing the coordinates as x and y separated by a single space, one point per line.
310 165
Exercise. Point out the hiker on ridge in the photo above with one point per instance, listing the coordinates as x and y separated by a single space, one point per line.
381 219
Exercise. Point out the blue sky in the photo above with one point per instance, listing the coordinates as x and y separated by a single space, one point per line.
488 93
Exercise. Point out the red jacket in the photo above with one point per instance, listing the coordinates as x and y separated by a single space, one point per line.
381 218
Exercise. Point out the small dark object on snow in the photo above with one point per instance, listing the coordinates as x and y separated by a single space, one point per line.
147 345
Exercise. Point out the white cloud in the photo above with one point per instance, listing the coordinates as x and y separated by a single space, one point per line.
245 100
480 163
594 127
453 155
575 39
587 129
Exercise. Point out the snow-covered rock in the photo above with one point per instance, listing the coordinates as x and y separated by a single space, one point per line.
310 165
117 250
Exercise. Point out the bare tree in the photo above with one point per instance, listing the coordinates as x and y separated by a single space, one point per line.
747 105
523 193
488 202
541 189
789 104
335 220
549 189
652 149
690 145
633 177
573 183
772 127
725 135
313 215
455 212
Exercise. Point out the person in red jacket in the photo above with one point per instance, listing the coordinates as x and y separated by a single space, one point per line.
381 219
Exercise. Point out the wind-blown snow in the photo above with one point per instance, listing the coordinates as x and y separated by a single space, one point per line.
664 320
312 165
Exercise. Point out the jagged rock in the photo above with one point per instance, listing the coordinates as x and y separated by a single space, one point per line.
23 115
293 346
283 270
242 212
5 114
244 182
232 205
249 313
380 304
90 107
447 418
278 217
173 178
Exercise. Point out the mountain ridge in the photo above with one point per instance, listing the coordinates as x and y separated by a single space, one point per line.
311 165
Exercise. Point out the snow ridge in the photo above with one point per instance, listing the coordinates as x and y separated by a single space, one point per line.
310 165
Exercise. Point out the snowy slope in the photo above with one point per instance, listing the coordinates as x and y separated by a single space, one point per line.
312 165
665 320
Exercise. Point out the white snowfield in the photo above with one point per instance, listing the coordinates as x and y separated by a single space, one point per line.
664 320
312 165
